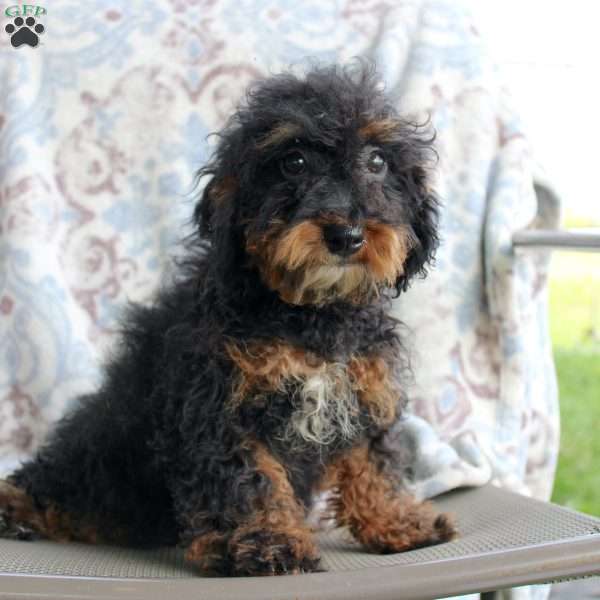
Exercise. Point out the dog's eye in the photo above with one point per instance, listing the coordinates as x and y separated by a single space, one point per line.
376 162
293 163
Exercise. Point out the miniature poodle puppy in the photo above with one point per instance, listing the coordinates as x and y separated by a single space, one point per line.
270 368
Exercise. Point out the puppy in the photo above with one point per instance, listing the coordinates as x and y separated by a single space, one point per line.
270 370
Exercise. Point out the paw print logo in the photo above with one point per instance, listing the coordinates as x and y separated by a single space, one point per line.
24 32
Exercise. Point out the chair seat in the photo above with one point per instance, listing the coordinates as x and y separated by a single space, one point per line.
506 539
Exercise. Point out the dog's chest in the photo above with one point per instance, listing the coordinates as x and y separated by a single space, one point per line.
313 400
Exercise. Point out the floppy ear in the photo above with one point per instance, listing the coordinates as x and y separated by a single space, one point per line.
214 210
215 216
203 212
424 220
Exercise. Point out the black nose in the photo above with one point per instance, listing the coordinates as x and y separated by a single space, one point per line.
343 240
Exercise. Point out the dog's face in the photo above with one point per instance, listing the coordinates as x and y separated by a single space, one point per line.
322 189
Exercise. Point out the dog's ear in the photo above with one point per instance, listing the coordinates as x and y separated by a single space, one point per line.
424 220
215 217
203 212
214 210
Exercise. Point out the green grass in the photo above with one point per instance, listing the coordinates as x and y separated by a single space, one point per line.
575 329
576 221
578 477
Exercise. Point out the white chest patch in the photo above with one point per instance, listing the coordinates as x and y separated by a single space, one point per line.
331 401
326 407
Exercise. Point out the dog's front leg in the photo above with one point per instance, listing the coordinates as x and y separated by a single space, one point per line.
269 539
382 519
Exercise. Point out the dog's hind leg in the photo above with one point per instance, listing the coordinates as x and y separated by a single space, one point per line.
22 519
18 518
270 539
381 518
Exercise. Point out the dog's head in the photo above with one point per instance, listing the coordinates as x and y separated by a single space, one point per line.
320 187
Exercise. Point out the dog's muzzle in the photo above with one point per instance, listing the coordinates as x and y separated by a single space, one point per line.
343 240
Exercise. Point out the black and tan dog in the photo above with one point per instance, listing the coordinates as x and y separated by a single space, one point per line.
270 370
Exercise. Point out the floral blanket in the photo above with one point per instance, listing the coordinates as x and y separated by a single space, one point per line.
105 118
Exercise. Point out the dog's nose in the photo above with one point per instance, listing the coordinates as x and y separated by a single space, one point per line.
343 240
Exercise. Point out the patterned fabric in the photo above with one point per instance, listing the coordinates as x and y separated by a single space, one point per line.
102 127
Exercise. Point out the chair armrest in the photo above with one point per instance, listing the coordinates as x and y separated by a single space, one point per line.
557 239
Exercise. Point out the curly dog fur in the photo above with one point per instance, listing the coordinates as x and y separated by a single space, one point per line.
270 369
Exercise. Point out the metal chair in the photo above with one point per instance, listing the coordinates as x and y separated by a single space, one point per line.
506 540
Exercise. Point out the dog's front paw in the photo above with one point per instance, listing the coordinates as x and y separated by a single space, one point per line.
264 552
417 529
444 530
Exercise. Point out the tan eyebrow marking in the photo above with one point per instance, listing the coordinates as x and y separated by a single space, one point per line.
280 133
384 130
